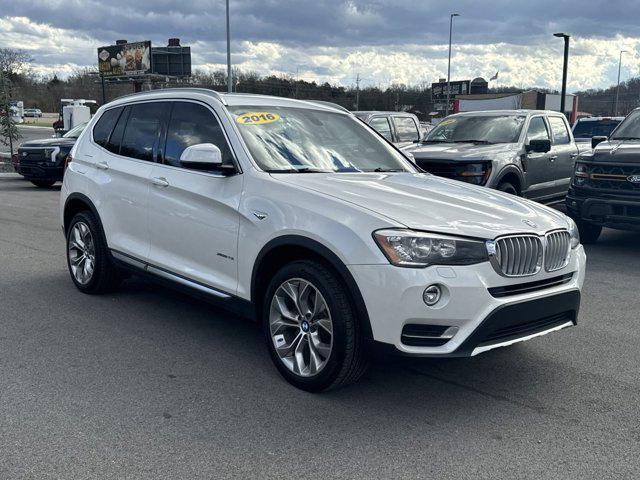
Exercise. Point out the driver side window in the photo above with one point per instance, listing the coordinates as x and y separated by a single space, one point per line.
537 129
192 124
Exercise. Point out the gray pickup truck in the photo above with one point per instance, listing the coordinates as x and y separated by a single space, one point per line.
530 153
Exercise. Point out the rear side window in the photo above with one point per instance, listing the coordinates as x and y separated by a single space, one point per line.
406 129
537 129
140 139
113 145
191 124
103 127
382 126
560 131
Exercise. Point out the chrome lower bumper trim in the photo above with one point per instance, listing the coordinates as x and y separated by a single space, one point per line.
486 348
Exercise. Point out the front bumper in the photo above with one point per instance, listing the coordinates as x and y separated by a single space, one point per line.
41 172
608 210
393 297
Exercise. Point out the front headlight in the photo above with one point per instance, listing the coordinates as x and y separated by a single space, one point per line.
407 248
574 233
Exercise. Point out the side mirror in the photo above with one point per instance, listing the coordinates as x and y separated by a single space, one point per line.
539 146
596 140
203 156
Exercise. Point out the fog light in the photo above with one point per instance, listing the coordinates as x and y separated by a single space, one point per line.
431 295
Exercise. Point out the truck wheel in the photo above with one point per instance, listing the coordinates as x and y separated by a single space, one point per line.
311 328
506 187
589 233
43 183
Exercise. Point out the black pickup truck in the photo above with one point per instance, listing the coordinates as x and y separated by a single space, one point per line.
605 189
42 162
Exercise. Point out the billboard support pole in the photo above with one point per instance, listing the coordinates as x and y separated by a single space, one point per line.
229 81
104 97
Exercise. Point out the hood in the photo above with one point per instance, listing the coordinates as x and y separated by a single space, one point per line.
616 151
463 152
425 202
50 142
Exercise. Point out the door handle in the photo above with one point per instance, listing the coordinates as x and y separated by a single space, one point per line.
102 166
553 158
160 181
574 155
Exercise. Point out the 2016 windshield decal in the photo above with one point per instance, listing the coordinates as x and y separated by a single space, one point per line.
257 118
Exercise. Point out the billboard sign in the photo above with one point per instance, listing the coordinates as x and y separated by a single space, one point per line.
458 87
127 59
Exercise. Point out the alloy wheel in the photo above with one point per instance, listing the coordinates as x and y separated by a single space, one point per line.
301 328
82 253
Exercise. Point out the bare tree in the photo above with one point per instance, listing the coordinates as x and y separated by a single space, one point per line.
12 62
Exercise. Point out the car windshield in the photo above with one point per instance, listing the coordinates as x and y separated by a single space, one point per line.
480 129
301 140
75 131
629 129
594 128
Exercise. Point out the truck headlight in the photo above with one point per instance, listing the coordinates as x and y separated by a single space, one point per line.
408 248
573 233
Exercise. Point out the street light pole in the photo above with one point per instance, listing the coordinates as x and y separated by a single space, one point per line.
615 109
564 68
446 110
229 82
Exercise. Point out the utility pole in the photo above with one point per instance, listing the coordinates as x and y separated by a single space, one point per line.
615 108
229 82
358 92
446 109
564 68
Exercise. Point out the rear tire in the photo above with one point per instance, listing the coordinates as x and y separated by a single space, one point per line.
507 187
308 313
43 183
88 260
589 233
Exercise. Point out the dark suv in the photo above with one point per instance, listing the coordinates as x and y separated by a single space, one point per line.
42 162
605 189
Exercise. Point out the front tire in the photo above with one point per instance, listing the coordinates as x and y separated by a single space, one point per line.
43 183
507 187
311 328
88 260
589 233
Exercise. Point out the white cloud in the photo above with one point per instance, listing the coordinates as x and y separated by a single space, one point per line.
593 61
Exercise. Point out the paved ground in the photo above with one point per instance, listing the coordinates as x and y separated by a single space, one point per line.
147 383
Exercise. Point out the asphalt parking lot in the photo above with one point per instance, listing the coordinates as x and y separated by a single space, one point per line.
148 383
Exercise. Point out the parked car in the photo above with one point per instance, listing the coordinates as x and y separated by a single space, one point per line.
33 112
530 153
42 162
586 128
399 128
300 216
605 191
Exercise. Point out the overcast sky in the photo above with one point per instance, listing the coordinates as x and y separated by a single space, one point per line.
385 41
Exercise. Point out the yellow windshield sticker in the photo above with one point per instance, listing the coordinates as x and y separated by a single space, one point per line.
257 118
448 122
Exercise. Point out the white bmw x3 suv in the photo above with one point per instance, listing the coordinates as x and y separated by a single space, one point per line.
299 215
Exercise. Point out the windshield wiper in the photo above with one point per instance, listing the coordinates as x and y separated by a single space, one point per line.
436 141
380 169
298 170
626 138
471 140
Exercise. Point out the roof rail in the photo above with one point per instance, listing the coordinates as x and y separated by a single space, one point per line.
207 91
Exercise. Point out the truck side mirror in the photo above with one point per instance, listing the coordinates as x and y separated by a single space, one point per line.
539 146
597 139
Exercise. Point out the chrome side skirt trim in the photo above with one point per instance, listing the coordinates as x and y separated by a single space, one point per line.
185 281
486 348
142 265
